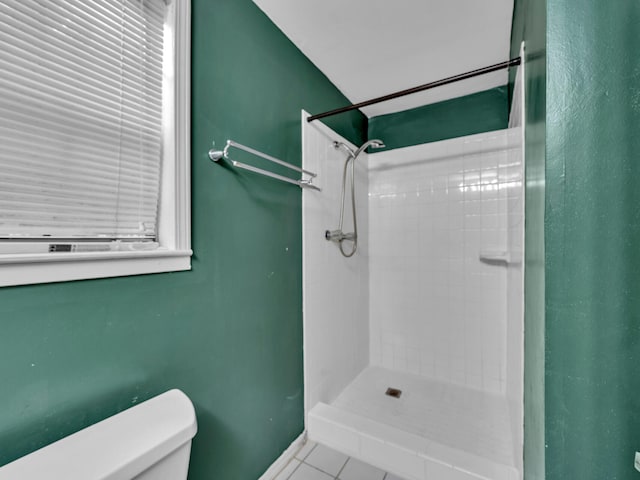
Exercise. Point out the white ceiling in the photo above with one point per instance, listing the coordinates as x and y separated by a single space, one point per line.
369 48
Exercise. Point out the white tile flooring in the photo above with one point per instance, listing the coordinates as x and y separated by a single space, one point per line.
318 462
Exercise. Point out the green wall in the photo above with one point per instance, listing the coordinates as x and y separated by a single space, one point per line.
529 24
593 239
480 112
228 333
582 318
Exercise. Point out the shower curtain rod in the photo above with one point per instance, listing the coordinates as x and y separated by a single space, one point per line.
456 78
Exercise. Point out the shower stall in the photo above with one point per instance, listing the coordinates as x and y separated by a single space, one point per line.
413 346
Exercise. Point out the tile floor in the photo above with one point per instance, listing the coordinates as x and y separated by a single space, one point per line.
318 462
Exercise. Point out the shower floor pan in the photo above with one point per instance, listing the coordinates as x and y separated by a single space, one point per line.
434 431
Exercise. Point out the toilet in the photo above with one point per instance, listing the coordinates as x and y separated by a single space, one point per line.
151 441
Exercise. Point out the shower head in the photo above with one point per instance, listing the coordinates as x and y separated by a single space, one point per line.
375 143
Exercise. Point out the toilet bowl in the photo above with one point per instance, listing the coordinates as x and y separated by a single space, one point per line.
151 441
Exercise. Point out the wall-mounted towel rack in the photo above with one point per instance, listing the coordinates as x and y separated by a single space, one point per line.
216 155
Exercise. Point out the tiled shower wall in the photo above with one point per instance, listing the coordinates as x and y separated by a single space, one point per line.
436 308
335 288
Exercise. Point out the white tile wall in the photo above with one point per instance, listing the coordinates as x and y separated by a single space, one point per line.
335 289
417 299
436 309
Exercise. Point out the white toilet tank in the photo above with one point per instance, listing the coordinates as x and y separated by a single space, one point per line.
151 441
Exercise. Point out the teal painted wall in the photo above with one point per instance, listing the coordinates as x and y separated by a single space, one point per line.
593 235
476 113
529 24
228 333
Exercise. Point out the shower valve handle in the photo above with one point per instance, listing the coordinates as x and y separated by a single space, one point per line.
338 236
333 235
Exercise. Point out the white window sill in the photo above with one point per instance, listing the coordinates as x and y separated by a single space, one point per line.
25 269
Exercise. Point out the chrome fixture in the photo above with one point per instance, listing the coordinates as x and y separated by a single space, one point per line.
216 155
338 236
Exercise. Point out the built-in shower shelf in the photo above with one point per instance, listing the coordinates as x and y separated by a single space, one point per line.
501 256
495 256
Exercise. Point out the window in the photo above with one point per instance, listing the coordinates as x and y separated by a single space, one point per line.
94 139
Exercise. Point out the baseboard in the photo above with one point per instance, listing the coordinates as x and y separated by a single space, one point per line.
282 461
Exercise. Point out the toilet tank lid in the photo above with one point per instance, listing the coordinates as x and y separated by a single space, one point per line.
119 447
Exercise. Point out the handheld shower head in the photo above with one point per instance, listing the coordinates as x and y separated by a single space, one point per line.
338 235
375 143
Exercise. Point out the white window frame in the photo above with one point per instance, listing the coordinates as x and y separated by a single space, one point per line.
174 217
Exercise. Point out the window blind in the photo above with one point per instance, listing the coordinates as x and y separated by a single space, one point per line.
80 118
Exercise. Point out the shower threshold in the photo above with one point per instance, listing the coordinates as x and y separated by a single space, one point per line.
436 430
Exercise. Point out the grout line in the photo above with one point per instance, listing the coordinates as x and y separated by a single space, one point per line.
308 453
294 470
315 468
342 468
300 461
286 465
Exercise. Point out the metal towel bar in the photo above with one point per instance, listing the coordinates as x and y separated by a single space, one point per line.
216 155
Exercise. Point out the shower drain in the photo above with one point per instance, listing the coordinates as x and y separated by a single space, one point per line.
393 392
